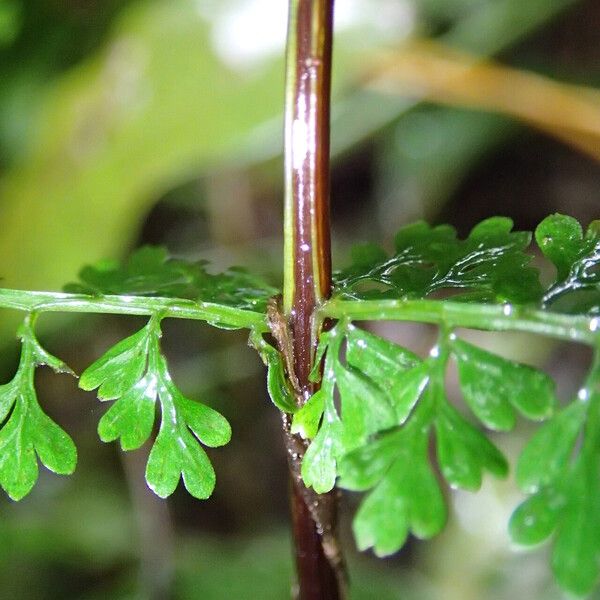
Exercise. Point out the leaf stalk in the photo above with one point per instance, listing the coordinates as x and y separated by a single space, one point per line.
216 314
488 317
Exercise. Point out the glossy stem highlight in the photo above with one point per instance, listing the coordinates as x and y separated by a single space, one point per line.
307 271
307 254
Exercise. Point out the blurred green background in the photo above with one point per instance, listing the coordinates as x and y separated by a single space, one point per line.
159 121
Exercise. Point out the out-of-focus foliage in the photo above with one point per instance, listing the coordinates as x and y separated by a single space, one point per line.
564 491
113 132
150 272
441 74
242 569
155 104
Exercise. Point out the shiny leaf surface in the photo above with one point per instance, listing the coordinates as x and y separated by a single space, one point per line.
131 417
463 452
306 420
366 408
279 389
176 454
535 519
29 434
363 469
372 448
493 387
566 490
491 262
577 260
548 451
559 238
319 463
119 368
135 373
407 390
380 360
150 272
372 421
405 496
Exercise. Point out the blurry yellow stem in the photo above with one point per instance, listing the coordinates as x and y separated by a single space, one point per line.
434 72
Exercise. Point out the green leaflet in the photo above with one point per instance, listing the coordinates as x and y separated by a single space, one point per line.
535 519
135 373
376 436
379 359
176 452
405 497
371 450
463 452
493 387
396 370
548 451
365 409
570 508
319 464
318 468
576 257
490 263
122 373
29 434
565 489
363 469
306 420
559 238
279 388
150 272
131 417
119 368
408 388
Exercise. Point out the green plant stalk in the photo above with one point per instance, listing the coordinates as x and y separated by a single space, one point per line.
488 317
132 305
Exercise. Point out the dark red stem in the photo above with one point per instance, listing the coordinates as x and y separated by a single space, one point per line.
308 273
